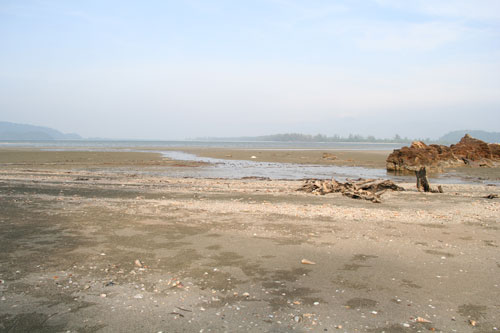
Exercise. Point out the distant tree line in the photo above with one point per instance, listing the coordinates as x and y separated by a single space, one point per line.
298 137
449 138
335 138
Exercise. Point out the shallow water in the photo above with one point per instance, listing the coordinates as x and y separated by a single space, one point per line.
103 144
232 169
235 169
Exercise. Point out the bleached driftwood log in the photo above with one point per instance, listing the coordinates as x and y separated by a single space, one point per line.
368 189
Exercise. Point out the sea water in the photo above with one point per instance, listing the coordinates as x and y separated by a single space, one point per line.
236 169
106 144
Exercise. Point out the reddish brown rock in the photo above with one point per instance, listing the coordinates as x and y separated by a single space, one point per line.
419 154
469 151
495 150
472 150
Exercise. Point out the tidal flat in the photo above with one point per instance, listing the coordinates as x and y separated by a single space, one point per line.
94 242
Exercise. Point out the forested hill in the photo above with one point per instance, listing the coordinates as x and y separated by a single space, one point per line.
13 131
455 136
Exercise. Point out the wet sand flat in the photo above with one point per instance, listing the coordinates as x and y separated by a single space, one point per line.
85 249
54 159
357 158
20 157
364 158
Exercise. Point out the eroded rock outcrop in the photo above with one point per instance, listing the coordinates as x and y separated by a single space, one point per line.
469 151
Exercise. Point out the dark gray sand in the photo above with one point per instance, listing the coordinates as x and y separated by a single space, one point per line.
85 249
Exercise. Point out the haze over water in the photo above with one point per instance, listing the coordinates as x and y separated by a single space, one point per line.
189 68
136 144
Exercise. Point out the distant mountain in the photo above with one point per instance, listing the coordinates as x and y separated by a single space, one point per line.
12 131
455 136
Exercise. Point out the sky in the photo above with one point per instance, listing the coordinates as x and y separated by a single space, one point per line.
171 70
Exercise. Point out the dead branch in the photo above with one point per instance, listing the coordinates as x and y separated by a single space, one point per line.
368 189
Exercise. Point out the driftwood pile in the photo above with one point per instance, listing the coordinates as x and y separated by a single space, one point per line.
368 189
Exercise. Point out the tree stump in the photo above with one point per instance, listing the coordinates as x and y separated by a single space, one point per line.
422 181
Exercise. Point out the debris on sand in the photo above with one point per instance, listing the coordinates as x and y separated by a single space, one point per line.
491 196
328 156
368 189
422 320
138 263
307 262
182 309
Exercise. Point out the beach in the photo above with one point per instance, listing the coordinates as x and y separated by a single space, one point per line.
360 158
101 241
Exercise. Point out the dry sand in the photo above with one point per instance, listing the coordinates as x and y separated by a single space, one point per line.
85 248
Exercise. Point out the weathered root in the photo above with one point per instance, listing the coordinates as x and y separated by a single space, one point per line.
368 189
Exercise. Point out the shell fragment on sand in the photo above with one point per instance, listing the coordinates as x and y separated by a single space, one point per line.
422 320
307 262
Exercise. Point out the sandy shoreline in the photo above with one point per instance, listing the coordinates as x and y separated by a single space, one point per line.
364 158
225 255
150 158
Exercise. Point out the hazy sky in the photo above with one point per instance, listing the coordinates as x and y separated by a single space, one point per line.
179 69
